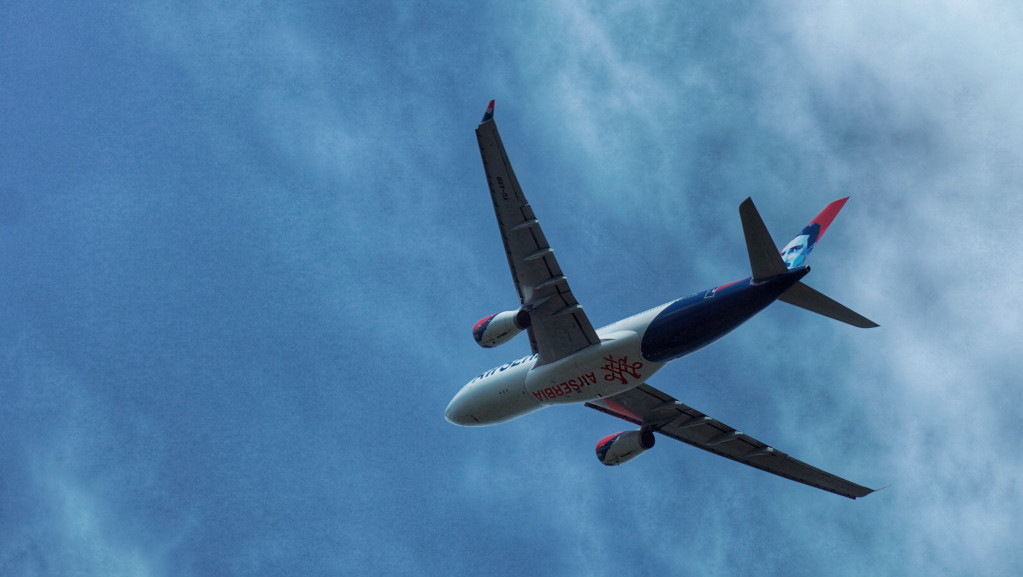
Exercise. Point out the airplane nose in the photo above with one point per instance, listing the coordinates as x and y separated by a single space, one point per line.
458 414
459 418
452 414
449 414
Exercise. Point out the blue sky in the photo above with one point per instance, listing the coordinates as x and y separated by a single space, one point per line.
243 246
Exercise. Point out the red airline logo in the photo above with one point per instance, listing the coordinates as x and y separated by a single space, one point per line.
617 369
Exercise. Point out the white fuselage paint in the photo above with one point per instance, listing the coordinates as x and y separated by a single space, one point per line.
520 387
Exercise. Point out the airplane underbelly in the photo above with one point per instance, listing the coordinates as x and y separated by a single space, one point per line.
494 397
604 370
698 320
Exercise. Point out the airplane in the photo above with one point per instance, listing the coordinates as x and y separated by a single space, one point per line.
608 369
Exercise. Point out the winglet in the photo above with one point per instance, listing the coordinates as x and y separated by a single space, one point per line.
489 114
872 491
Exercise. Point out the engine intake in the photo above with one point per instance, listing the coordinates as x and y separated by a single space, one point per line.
621 447
500 328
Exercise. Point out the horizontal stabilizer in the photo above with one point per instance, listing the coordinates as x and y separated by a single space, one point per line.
805 297
764 259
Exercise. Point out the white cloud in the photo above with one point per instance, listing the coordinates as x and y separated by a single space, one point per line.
652 121
911 109
935 156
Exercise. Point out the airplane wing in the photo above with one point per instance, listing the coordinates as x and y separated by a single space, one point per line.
648 407
558 325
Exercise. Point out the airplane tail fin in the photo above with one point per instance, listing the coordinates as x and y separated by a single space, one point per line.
796 251
767 262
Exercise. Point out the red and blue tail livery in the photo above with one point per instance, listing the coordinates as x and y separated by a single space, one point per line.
796 251
608 369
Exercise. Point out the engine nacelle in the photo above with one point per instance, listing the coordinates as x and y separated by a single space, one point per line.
499 328
620 447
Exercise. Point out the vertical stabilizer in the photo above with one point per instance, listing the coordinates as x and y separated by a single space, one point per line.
796 251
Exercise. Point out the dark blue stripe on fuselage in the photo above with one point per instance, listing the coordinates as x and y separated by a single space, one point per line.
700 319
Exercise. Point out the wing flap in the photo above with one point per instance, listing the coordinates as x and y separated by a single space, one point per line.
648 407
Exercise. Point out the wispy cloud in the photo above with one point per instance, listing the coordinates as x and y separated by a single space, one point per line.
233 351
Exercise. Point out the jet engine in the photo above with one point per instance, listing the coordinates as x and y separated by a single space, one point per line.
620 447
499 328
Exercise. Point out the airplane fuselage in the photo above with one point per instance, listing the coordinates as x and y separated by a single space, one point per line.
630 351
